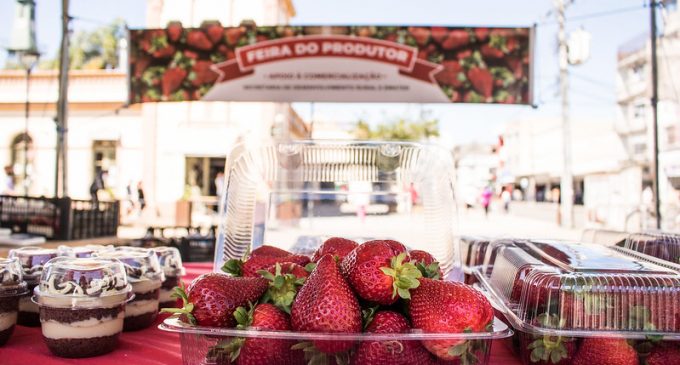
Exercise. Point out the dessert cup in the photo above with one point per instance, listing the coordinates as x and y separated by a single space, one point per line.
171 264
32 260
12 287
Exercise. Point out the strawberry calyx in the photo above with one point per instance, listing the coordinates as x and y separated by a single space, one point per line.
315 357
310 267
404 274
233 267
227 351
549 348
430 271
367 315
179 292
282 288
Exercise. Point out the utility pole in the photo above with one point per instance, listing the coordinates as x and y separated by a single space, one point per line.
654 102
567 181
61 183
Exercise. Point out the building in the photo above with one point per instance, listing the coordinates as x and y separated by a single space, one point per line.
607 188
476 165
635 121
168 147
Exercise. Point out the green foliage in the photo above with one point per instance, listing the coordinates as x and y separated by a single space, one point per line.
401 130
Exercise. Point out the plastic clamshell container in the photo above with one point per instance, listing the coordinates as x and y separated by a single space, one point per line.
198 342
662 245
294 195
566 292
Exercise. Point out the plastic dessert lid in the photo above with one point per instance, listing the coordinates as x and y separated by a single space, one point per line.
32 260
170 260
82 282
581 290
11 278
140 264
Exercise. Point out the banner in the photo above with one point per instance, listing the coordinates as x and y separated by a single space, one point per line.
331 64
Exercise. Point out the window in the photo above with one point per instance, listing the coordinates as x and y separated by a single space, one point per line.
200 174
639 148
638 72
672 135
104 156
639 111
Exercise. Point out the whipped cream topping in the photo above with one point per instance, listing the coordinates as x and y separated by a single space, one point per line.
8 278
109 283
170 261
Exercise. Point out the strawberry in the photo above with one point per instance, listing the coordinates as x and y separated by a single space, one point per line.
172 80
482 80
427 264
232 35
269 251
515 65
253 350
211 298
334 246
464 54
190 54
198 40
450 74
420 34
455 39
396 246
284 282
472 97
481 34
326 304
379 273
250 267
174 31
489 51
393 352
664 355
140 65
439 34
449 307
546 350
202 73
213 30
606 351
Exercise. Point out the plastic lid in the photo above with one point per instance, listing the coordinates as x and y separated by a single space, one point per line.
82 282
32 260
82 251
170 260
140 263
581 289
665 246
11 278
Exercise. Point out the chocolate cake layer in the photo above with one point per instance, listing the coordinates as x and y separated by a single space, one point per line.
9 304
28 319
5 335
68 315
170 282
147 296
168 304
82 347
139 322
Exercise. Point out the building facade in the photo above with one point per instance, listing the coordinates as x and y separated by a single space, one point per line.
176 150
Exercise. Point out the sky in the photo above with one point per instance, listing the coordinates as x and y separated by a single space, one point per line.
592 85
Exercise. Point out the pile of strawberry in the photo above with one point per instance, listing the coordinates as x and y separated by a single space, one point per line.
376 287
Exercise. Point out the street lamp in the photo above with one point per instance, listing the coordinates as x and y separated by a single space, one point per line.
28 60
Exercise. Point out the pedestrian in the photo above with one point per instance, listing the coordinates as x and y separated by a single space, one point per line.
8 181
486 199
506 198
97 184
140 196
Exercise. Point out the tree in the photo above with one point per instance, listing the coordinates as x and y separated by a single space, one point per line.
401 130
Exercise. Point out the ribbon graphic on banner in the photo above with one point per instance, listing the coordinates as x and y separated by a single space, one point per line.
399 55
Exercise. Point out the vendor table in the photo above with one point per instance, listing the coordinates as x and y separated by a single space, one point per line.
147 347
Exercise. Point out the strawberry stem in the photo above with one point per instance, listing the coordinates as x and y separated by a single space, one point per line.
179 292
430 271
283 288
233 267
404 276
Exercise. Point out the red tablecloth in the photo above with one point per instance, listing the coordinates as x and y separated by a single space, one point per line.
148 347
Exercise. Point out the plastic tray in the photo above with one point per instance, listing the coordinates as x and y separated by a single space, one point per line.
662 245
569 291
295 194
198 341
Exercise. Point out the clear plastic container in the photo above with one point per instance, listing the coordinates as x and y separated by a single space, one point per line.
82 305
294 195
170 261
32 260
198 343
12 288
473 250
662 245
557 294
82 251
145 275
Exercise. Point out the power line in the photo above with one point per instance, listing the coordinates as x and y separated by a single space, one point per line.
599 14
591 80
